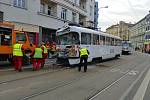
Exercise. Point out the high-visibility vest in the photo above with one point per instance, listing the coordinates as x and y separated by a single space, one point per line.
17 50
83 51
45 49
38 53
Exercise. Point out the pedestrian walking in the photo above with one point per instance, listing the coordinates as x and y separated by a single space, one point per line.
37 58
83 57
18 55
44 54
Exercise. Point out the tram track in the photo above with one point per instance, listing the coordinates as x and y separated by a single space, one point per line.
45 73
92 97
63 84
32 76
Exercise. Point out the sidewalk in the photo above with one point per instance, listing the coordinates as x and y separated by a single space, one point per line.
6 66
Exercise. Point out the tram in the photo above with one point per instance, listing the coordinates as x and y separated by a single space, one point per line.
100 45
126 47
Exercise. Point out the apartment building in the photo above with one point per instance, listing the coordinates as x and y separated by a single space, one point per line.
137 33
121 30
46 16
147 32
96 9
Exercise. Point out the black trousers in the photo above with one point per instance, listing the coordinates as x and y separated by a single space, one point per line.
83 58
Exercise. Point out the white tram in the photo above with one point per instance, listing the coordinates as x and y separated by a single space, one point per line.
126 47
100 45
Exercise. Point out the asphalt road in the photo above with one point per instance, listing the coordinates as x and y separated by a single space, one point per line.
118 79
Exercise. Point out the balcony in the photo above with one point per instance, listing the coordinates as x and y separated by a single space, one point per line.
48 8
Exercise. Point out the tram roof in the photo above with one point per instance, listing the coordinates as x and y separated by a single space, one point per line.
86 30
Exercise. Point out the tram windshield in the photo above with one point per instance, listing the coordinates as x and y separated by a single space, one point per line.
69 38
126 44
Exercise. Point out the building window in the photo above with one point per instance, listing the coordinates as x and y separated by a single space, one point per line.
90 10
64 14
19 3
42 8
74 17
49 10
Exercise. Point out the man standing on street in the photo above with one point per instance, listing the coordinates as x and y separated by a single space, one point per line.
37 57
83 57
18 56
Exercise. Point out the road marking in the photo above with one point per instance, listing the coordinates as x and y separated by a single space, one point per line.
115 70
142 89
124 71
93 97
132 85
133 72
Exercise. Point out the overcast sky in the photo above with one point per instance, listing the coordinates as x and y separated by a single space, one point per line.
121 10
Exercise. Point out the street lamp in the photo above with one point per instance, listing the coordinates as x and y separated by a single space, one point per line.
103 7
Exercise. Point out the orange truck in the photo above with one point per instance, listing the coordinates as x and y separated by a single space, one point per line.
8 37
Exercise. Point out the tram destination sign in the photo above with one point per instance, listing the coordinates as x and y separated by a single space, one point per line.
1 16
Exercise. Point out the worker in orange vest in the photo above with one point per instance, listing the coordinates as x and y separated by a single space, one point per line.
45 54
18 55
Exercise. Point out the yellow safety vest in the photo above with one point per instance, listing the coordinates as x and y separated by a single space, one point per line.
38 53
83 51
17 50
45 49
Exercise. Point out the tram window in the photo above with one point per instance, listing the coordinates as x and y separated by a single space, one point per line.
118 42
102 40
95 39
108 42
86 38
112 41
69 38
115 42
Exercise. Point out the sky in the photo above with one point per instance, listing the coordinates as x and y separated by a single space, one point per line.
121 10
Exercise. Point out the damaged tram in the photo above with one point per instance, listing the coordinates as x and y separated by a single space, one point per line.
100 45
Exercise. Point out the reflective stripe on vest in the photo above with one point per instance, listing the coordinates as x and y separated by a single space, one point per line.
38 53
45 49
17 50
83 51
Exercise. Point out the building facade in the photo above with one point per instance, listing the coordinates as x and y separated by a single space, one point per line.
96 9
147 32
46 16
137 33
121 30
114 30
